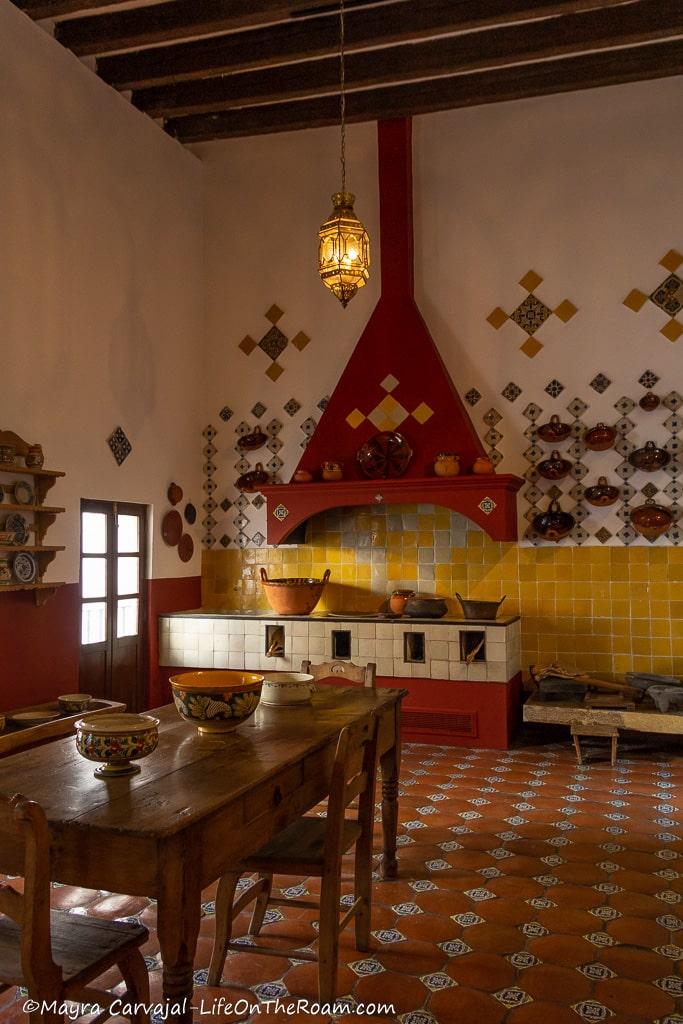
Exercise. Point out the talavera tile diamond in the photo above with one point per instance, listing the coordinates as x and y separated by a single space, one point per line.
492 417
226 413
648 379
273 342
511 391
532 411
530 314
554 388
120 445
258 410
600 383
292 407
472 396
323 403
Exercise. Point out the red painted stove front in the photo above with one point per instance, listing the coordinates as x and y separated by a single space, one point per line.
459 714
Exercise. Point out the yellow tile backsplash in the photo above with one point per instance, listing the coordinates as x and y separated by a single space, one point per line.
607 610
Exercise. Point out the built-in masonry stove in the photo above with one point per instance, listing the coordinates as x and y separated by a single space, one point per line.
463 676
395 380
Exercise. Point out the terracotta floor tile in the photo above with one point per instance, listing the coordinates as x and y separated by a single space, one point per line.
302 980
555 984
481 971
508 911
578 897
566 950
411 957
428 927
461 1004
518 888
639 881
494 938
636 904
567 921
580 874
634 998
404 992
638 931
542 1013
637 964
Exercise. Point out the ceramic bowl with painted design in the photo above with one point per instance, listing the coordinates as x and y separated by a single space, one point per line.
71 703
115 740
216 701
287 689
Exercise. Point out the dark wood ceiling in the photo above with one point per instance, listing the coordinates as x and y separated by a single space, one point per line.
215 69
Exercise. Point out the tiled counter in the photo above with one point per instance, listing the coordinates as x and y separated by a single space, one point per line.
450 700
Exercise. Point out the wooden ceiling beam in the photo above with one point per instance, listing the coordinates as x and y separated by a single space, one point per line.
567 74
643 21
38 9
183 19
319 37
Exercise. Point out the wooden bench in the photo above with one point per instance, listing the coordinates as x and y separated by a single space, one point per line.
578 730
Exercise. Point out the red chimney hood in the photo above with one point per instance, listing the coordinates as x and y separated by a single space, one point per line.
396 380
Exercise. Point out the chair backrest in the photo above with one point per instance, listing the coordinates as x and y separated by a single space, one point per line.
353 775
343 670
23 827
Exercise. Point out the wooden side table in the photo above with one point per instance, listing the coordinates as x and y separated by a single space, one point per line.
594 729
14 739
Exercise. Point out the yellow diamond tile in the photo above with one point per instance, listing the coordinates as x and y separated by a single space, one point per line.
274 371
565 310
388 415
497 317
274 314
672 330
531 280
671 261
531 347
422 413
355 418
389 382
300 341
635 300
247 345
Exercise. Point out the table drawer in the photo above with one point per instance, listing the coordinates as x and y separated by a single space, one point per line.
269 795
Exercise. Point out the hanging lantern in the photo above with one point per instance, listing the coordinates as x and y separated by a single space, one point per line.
343 250
343 243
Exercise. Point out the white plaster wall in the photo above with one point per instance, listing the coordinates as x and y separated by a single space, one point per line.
101 311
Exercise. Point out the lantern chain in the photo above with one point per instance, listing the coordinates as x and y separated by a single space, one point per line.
342 98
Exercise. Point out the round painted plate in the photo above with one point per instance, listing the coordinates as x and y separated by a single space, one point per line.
174 493
172 528
24 567
34 717
190 514
19 526
387 454
23 493
186 548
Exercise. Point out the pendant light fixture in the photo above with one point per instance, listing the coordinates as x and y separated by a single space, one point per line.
343 243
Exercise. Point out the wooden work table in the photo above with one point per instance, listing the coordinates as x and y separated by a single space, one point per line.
198 806
645 717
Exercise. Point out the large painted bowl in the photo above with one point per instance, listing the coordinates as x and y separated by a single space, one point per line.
115 740
216 701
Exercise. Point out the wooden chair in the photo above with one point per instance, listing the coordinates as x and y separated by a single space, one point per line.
344 671
314 846
55 955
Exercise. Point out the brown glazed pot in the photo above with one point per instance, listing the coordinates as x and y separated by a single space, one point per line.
554 468
600 438
649 402
650 458
651 520
602 493
554 524
293 595
554 430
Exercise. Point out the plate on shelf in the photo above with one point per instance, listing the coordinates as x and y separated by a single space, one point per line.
23 493
24 567
18 524
387 454
33 717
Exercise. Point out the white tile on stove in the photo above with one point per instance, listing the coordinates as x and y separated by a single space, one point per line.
316 645
221 659
252 627
367 648
366 630
438 649
316 629
438 669
384 630
402 669
496 672
299 627
477 671
457 670
236 660
252 661
300 644
315 659
385 666
205 642
253 644
190 641
385 648
222 643
203 626
398 649
164 625
420 669
236 643
220 627
495 634
236 625
454 650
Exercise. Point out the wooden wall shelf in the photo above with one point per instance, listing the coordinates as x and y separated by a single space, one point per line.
43 518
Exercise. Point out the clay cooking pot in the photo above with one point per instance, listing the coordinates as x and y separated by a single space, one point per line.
554 524
599 438
651 520
602 493
554 468
554 430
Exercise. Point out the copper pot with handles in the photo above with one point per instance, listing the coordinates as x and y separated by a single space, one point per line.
651 520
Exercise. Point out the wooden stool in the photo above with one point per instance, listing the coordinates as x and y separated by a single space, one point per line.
579 730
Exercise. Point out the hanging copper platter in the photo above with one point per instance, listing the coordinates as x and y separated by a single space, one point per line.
385 455
186 547
172 528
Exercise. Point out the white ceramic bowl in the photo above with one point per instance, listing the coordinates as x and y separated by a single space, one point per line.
286 689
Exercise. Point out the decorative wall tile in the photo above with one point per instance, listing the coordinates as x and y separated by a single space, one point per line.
323 403
209 468
511 391
273 343
531 314
554 388
648 379
120 445
667 296
258 410
292 407
600 383
472 396
225 413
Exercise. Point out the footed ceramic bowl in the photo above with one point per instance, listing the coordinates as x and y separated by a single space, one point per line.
71 703
216 701
115 740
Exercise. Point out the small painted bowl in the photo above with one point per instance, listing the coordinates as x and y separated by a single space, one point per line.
116 740
216 701
70 703
287 689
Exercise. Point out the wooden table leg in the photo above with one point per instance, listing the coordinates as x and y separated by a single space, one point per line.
178 915
390 766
